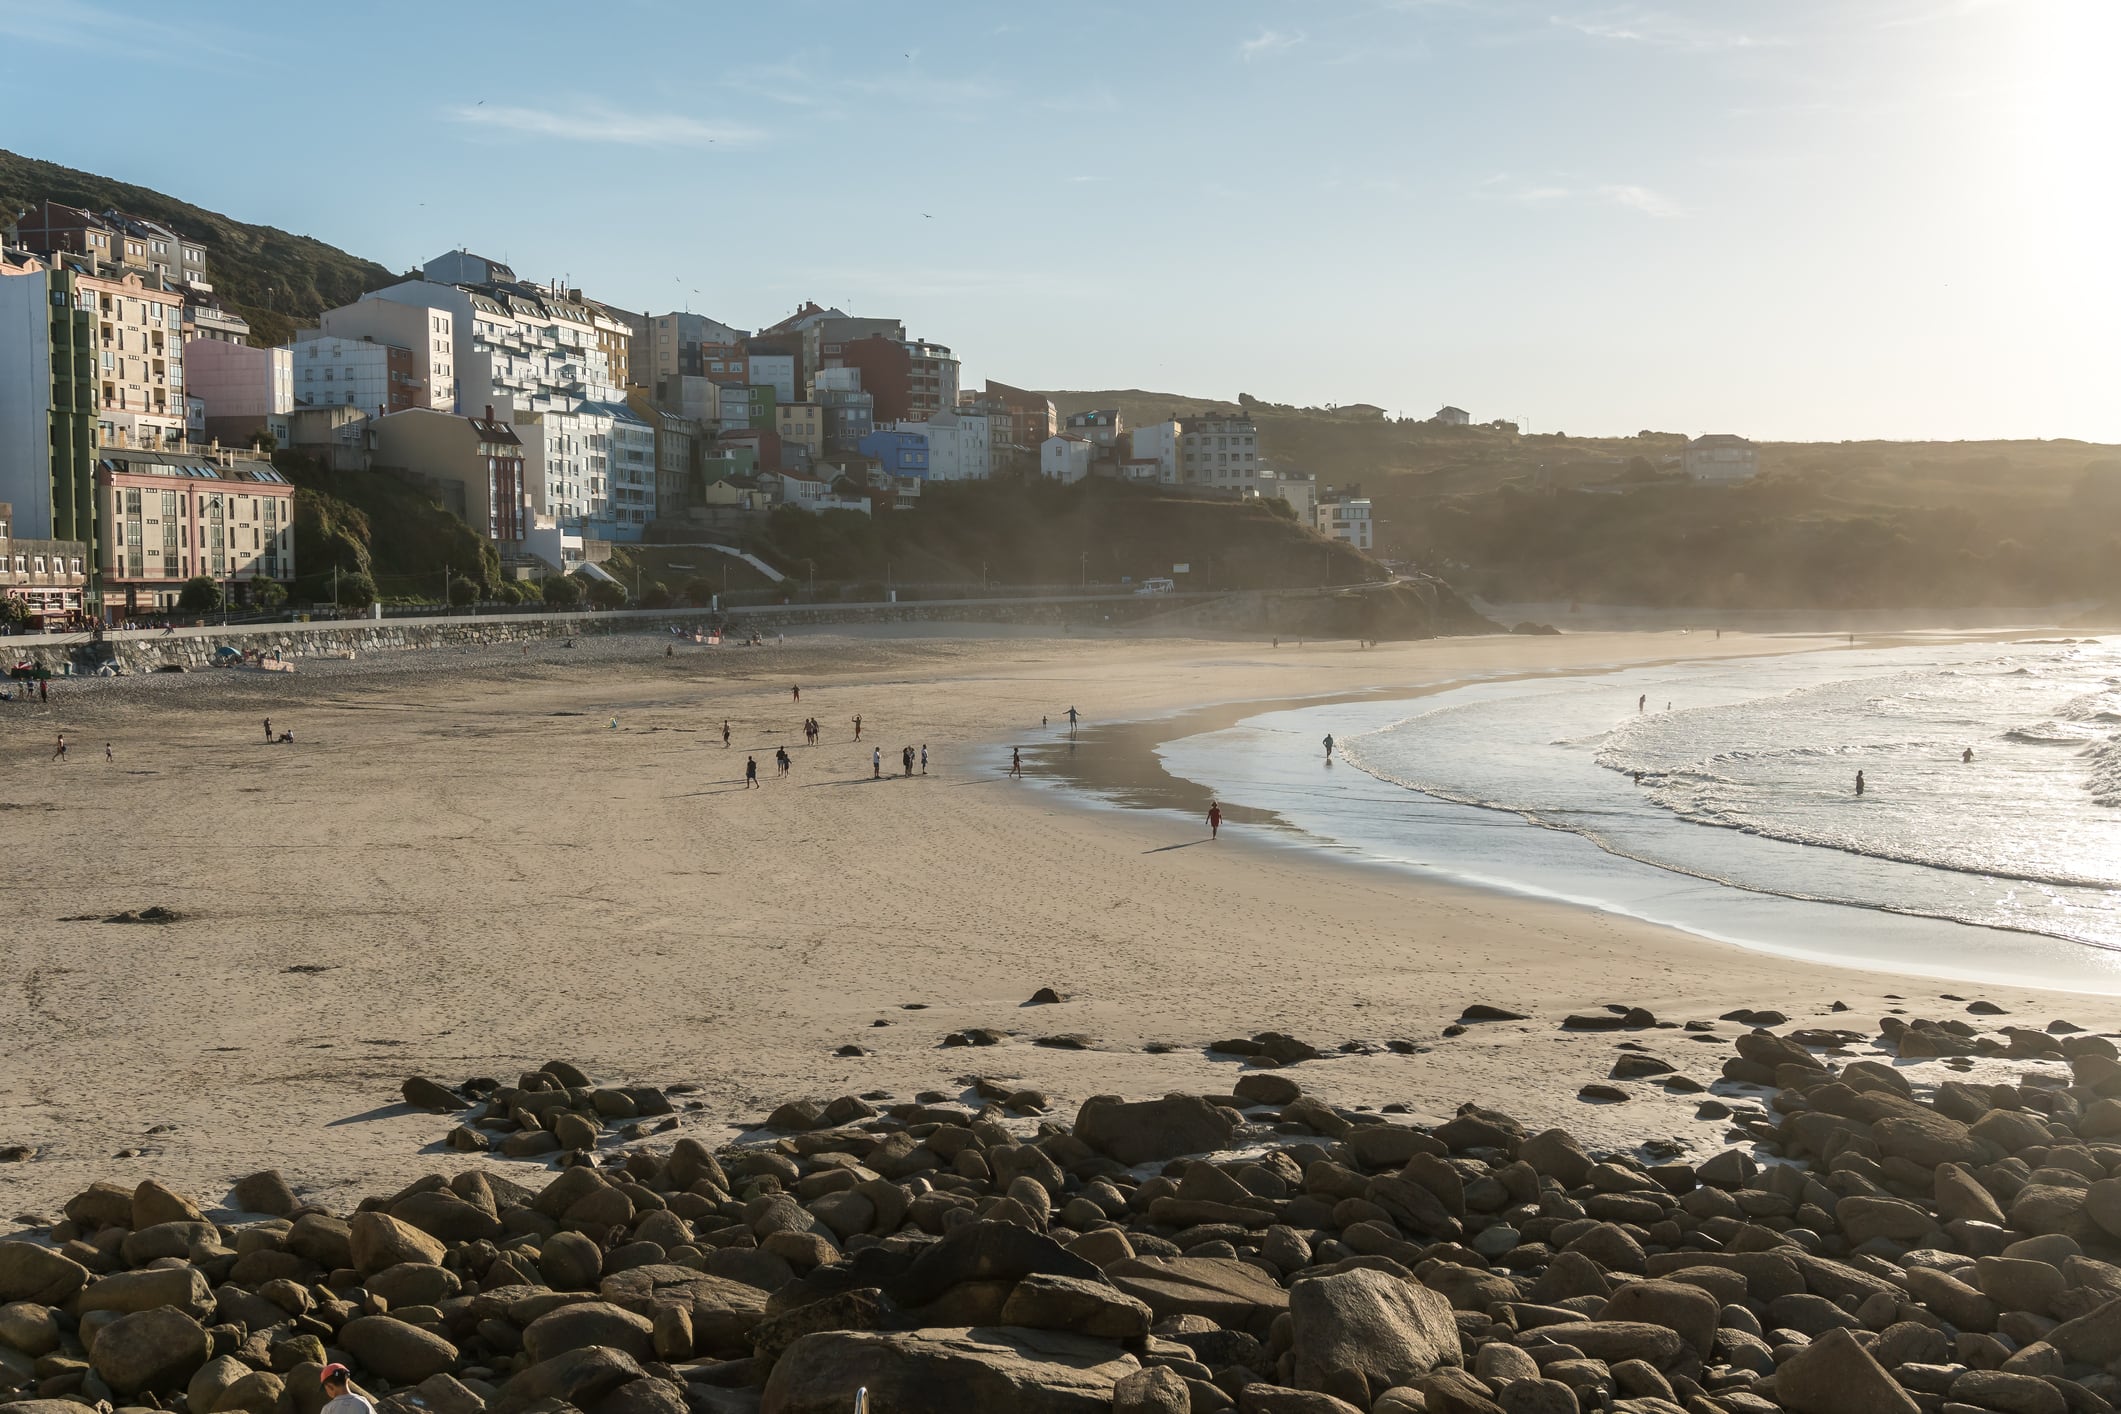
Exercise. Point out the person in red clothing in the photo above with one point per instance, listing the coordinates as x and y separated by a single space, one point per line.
1215 820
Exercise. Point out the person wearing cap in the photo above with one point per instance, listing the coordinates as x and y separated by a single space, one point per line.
339 1393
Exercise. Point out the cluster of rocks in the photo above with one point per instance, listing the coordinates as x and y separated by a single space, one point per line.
554 1110
1873 1249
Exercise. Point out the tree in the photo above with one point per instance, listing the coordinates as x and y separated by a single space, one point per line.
656 596
267 593
563 591
463 592
603 594
200 595
14 613
262 440
356 591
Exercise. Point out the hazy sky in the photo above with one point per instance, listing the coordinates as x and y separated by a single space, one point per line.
1789 218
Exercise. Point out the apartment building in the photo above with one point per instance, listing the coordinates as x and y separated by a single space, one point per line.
1103 428
50 228
1345 516
243 388
801 425
678 443
172 515
50 400
48 577
1159 442
672 341
1217 449
377 378
427 333
959 445
474 465
630 502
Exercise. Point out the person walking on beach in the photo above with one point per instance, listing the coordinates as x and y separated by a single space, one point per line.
924 758
1016 762
106 752
1329 746
1859 783
59 753
751 772
876 763
857 726
268 729
780 758
1215 820
339 1397
725 733
1642 703
1071 721
798 691
905 758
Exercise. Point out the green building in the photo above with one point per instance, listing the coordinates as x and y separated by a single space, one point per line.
48 408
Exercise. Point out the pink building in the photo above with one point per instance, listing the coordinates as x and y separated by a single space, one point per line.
176 515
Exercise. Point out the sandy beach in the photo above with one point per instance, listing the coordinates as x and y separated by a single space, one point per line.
462 867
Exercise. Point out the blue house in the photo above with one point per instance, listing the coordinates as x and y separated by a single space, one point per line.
897 453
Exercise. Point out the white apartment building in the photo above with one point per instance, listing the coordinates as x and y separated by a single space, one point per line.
958 446
238 384
1064 458
1159 442
325 370
536 357
631 464
427 333
1218 449
1345 518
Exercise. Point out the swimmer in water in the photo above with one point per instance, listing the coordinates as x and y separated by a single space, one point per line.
1967 756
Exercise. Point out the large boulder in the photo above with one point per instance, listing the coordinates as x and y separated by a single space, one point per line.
958 1370
1677 1306
1095 1308
1144 1131
397 1350
579 1377
158 1351
1358 1333
589 1323
2093 1338
32 1273
986 1251
1233 1294
723 1312
1835 1375
184 1288
378 1240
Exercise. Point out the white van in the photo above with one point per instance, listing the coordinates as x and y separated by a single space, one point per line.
1157 586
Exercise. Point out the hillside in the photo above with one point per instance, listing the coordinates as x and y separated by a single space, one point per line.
277 281
1038 533
1610 520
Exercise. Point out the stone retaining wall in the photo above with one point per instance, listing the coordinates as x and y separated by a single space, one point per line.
145 651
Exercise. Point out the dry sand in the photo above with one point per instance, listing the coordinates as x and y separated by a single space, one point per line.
460 868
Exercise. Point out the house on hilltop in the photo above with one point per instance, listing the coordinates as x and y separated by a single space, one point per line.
1453 417
1721 457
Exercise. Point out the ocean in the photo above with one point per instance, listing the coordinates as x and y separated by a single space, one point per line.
1719 796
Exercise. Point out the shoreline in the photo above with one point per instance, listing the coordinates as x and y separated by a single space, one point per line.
474 872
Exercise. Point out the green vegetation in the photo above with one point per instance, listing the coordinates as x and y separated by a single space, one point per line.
14 613
563 591
1008 532
1614 520
200 595
421 546
276 280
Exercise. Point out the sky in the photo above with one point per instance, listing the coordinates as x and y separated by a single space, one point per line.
1791 219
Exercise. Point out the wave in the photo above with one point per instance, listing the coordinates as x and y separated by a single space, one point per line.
2048 734
2104 781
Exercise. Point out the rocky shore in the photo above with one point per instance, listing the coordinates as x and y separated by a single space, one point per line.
1880 1238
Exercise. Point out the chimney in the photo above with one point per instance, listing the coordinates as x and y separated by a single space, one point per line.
489 412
